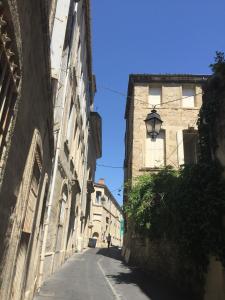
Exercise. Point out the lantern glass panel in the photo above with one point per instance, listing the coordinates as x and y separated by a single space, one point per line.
158 125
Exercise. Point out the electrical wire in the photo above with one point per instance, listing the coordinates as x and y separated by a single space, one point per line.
167 158
137 99
108 166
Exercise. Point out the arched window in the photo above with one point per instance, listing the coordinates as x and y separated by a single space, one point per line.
95 235
33 193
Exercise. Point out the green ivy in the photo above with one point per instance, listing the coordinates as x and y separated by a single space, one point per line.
187 206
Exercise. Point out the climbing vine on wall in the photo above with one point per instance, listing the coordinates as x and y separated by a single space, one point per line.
187 206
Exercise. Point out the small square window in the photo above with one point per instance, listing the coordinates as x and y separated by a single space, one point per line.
188 97
98 197
154 97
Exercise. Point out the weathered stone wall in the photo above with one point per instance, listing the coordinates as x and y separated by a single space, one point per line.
160 258
174 118
71 119
34 115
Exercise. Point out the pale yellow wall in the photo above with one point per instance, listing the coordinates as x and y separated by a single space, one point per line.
174 117
100 212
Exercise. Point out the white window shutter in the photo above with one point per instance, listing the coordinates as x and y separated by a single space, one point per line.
188 95
180 147
71 124
154 155
154 95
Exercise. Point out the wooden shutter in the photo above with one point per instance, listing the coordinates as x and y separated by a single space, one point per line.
180 147
188 95
154 95
155 151
33 194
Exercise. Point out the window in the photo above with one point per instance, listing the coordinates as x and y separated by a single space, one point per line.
155 151
33 193
187 143
154 95
63 207
190 141
98 197
70 125
44 210
188 97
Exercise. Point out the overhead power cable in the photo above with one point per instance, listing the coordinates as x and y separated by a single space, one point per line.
167 158
137 100
108 166
130 97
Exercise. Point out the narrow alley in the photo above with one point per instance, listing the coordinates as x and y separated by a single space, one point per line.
100 274
112 150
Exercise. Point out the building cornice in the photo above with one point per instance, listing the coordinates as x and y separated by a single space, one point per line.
161 78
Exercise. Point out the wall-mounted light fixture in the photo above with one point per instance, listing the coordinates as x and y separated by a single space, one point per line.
153 124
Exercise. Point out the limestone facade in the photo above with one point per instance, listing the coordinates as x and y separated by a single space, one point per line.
94 152
106 216
26 142
74 161
179 117
177 99
50 139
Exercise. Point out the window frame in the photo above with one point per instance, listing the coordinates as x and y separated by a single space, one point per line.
146 166
155 86
183 98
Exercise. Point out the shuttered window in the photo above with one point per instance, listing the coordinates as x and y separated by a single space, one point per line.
155 151
154 97
180 148
33 194
190 141
63 208
98 197
188 97
187 141
71 123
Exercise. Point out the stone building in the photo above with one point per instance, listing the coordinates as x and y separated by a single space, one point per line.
106 216
77 135
50 139
26 142
177 99
94 152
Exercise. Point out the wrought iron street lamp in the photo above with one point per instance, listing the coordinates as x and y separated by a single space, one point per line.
153 124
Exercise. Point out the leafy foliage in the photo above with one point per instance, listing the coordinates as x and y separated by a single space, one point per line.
188 206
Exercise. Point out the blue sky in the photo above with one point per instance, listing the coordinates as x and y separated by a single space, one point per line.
146 36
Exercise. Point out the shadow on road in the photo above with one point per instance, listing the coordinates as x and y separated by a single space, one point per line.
112 252
154 289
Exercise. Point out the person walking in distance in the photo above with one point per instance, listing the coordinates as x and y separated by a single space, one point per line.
109 239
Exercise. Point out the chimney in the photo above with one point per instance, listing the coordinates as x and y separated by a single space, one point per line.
101 181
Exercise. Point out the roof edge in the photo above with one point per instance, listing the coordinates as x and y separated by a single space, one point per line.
162 78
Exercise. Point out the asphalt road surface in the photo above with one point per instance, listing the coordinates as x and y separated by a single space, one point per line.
100 274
